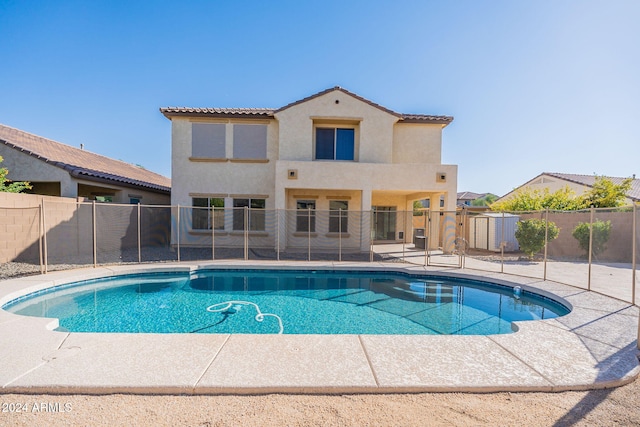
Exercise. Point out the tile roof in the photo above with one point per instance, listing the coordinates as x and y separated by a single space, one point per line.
217 112
469 195
83 164
589 180
269 113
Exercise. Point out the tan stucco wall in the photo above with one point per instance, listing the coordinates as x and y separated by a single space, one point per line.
23 167
374 129
417 143
221 178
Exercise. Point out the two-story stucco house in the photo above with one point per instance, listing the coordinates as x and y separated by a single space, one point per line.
337 164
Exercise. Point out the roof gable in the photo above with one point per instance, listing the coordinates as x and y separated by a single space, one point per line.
269 113
81 163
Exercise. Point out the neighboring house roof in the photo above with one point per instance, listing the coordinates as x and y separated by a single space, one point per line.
269 113
468 195
83 164
588 181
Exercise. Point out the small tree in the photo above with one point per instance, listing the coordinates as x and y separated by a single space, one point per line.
7 186
606 194
528 199
601 232
530 235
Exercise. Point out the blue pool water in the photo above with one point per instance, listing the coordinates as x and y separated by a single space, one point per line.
291 302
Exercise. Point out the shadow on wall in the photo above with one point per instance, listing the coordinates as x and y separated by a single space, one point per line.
117 231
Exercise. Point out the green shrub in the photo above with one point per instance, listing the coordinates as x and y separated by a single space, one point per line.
601 232
530 235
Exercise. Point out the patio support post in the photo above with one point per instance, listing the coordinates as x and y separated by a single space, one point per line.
95 233
590 246
139 235
546 234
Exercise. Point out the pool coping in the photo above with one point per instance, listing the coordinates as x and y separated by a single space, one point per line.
592 347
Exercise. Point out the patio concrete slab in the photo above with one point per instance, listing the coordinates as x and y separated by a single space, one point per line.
25 343
447 363
123 363
295 363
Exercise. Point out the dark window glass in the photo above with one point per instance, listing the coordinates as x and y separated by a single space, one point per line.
306 216
256 214
338 216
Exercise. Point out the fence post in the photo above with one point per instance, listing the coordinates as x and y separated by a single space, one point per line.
371 234
426 233
139 236
546 235
213 233
43 239
501 245
590 246
278 233
178 230
246 233
634 231
95 233
339 234
308 234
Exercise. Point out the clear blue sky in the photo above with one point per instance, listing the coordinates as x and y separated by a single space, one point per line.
534 86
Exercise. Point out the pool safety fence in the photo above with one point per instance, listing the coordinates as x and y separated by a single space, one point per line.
600 244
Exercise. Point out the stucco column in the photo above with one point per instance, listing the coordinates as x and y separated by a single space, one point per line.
365 221
280 205
434 216
408 222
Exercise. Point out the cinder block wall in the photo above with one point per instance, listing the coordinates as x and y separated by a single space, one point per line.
20 223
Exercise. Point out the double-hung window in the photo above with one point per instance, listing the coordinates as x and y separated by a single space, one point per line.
338 216
207 213
335 143
256 214
306 216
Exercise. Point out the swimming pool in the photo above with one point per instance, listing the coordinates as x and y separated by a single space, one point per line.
287 301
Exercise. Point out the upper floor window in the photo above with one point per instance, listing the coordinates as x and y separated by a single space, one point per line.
208 140
249 141
335 143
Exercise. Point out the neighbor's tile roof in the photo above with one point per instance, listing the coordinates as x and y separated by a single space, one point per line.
269 113
469 195
589 180
81 163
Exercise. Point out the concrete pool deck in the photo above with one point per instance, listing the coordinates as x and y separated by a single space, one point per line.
592 347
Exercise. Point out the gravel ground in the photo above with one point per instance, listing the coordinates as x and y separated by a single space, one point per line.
612 407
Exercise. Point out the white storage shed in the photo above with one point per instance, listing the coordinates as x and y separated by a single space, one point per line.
485 231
